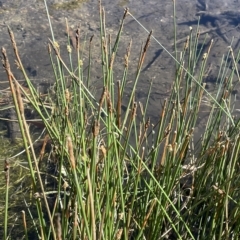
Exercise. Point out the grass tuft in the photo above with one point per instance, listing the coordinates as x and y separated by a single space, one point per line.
105 173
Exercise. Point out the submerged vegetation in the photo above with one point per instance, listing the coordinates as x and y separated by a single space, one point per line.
98 172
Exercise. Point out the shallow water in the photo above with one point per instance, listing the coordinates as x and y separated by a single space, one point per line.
28 21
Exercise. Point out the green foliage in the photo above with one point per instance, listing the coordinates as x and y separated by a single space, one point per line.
122 177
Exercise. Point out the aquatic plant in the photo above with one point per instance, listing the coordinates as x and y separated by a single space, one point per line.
119 176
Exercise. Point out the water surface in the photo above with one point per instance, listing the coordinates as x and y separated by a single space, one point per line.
29 23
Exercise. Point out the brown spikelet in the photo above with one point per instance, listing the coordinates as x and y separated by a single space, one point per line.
91 38
104 93
109 103
24 220
67 95
163 158
126 11
186 43
12 38
149 213
184 147
77 37
140 137
127 55
119 234
18 61
66 111
143 135
104 151
185 103
49 48
96 128
134 110
111 61
226 94
6 170
19 99
147 124
144 50
70 152
209 48
7 68
5 61
45 141
58 226
104 44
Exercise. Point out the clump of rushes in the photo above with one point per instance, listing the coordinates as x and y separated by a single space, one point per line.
163 184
